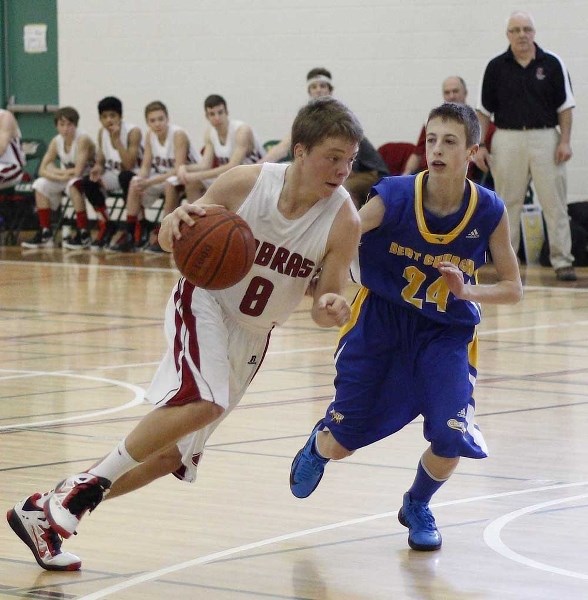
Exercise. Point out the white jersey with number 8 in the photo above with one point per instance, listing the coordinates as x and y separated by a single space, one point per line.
216 340
289 253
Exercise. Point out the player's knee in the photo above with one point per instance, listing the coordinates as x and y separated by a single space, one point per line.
171 461
217 410
168 460
203 413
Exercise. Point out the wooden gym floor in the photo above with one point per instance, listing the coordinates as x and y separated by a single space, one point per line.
81 336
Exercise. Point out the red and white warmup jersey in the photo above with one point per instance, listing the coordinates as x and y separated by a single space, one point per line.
67 158
12 162
112 160
223 152
163 154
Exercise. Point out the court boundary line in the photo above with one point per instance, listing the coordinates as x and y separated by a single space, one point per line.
136 401
157 574
494 541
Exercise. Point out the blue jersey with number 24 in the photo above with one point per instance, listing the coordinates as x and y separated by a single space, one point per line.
399 259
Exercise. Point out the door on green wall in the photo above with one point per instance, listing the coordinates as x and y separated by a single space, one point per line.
29 57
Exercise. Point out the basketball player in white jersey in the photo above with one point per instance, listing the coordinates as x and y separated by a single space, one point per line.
118 158
227 143
75 153
165 144
305 224
12 157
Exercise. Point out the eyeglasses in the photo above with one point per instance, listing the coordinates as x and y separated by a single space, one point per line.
521 29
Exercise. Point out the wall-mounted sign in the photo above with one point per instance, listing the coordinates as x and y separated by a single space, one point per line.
35 38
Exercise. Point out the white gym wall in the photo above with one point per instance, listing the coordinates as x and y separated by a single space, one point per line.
388 58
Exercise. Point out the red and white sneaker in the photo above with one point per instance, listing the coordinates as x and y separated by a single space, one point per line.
28 521
72 498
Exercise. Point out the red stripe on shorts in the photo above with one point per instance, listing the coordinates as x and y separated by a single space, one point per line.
185 344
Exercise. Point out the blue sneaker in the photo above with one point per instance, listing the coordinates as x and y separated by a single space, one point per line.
423 534
307 468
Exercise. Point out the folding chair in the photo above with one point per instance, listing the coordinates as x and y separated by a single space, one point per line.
17 204
395 155
117 206
270 144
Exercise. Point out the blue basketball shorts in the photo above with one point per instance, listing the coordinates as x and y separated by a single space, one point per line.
393 365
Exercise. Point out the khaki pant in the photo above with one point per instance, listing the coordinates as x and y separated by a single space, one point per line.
518 157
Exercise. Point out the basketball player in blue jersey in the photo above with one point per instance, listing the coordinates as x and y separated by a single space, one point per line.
410 347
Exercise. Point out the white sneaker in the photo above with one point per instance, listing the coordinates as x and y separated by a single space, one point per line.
71 499
30 524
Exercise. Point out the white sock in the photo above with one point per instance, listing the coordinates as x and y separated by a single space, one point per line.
316 448
117 463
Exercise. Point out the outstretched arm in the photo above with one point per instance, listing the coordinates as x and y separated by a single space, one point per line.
507 290
330 308
371 214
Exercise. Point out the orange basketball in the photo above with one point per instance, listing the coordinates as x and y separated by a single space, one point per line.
216 252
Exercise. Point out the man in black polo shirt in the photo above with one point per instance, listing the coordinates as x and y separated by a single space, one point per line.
528 92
